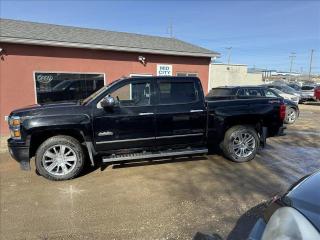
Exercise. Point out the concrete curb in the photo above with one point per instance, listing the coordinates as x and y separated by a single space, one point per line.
312 103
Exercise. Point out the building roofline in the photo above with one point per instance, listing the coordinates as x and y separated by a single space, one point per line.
102 47
34 33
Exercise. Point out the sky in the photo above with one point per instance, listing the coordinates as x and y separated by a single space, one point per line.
262 34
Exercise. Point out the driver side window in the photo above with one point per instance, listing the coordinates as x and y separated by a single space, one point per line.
133 94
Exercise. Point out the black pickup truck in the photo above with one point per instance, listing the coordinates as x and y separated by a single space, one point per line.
137 119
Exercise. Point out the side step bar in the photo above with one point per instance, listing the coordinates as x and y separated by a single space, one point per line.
148 155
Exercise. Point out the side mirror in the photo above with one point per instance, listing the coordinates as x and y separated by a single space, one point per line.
108 102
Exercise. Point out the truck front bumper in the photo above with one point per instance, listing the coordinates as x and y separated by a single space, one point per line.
20 152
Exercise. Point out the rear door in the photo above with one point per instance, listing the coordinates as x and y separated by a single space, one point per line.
180 113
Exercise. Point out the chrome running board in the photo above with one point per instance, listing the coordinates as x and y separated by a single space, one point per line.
148 155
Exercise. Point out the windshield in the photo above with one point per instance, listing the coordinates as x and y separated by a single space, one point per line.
288 89
94 95
295 87
97 93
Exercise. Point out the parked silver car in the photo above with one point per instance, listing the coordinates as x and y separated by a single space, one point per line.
307 92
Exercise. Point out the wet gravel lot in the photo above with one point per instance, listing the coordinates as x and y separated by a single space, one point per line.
182 199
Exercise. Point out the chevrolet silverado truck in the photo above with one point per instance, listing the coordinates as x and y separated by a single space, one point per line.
137 119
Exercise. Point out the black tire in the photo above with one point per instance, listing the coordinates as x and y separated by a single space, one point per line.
229 138
291 116
68 142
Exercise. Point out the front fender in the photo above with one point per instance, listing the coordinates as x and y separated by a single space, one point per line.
79 122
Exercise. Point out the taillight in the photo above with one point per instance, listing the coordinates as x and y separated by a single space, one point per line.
282 111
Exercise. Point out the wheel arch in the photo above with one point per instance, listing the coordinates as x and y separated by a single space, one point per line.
39 136
254 122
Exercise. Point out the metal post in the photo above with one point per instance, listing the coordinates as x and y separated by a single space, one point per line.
311 56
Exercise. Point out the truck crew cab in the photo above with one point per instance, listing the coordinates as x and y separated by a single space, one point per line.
140 118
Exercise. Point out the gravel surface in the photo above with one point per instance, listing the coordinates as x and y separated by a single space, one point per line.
200 198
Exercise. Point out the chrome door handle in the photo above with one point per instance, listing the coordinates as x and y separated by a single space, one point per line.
146 113
196 110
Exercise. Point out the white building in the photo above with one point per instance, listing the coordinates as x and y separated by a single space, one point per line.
232 75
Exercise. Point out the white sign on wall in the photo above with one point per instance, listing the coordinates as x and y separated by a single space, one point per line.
164 70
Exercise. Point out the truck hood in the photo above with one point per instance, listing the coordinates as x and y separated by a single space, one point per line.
46 109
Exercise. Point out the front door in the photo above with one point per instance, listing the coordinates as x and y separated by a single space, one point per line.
129 125
181 114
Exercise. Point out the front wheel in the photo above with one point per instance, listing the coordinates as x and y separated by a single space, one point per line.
240 143
291 116
60 158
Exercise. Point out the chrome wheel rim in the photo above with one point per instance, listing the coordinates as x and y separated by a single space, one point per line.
291 116
59 160
243 144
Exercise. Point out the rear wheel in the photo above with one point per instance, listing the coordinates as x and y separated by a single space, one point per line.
291 116
240 143
60 158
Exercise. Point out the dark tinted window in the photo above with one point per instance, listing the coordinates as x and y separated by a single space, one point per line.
253 92
220 92
54 87
241 92
177 92
307 88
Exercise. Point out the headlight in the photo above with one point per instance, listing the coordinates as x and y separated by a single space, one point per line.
288 223
14 121
14 125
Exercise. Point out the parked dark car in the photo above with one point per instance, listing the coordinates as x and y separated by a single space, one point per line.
293 215
140 118
292 109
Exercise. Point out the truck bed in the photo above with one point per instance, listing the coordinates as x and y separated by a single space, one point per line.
230 110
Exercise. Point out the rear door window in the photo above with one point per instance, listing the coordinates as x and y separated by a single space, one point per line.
253 92
177 92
